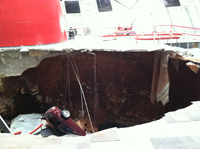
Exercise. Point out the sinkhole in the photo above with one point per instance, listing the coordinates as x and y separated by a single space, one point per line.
113 87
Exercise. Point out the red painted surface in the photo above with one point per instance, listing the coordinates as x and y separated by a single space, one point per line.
181 26
156 38
30 22
53 116
158 34
17 133
125 28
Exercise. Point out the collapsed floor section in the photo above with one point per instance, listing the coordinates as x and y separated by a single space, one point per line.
115 88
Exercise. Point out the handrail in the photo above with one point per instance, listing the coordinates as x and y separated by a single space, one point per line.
181 26
185 33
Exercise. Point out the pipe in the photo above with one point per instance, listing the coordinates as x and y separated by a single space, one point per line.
17 133
35 129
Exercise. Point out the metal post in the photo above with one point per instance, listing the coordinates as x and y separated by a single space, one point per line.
4 126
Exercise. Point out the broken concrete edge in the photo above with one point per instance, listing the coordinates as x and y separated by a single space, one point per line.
26 49
106 135
193 63
195 60
97 44
187 54
10 58
186 58
193 67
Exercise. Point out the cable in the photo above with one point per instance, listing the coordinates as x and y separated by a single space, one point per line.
68 78
83 95
121 4
76 69
95 89
134 3
65 96
67 83
36 129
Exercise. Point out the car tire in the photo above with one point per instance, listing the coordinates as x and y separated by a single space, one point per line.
65 114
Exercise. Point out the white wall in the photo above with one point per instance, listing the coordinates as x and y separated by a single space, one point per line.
187 15
145 14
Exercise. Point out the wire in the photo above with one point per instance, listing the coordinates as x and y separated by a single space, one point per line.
65 96
83 95
36 129
121 4
67 83
76 69
95 89
68 78
134 3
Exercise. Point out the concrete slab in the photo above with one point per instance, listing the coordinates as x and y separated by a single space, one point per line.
175 142
33 142
26 123
184 115
105 135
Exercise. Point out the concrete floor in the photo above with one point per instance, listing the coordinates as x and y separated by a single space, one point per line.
121 44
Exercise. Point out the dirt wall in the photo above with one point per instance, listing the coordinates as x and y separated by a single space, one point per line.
116 87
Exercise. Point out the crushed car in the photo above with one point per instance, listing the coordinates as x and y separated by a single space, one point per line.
61 122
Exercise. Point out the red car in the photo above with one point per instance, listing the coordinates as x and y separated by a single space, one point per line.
61 122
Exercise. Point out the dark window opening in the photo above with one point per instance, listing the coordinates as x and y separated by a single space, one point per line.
104 5
72 6
171 3
54 121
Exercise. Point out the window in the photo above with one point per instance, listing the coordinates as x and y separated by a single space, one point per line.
104 5
54 121
171 3
72 6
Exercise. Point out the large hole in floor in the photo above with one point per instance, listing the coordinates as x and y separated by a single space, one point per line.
116 86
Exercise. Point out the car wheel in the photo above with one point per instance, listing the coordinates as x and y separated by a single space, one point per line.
65 114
